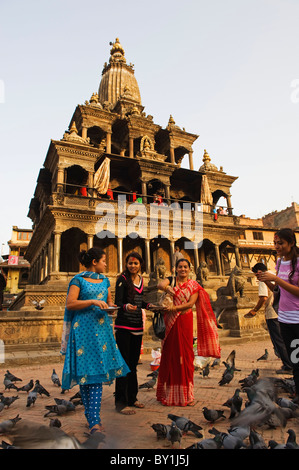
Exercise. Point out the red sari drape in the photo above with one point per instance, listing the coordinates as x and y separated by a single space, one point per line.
175 385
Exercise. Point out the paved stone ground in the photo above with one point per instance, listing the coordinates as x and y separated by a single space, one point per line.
135 432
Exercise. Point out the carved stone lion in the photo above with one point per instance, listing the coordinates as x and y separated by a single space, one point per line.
235 284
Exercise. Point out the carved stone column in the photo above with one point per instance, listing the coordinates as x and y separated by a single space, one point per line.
147 256
56 253
120 254
218 261
108 142
131 147
84 132
167 193
229 205
191 160
172 157
91 191
50 256
144 191
60 180
172 253
237 255
89 241
196 259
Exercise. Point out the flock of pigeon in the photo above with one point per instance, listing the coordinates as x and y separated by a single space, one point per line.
255 404
26 434
262 408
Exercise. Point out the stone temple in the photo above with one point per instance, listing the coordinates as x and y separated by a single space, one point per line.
115 180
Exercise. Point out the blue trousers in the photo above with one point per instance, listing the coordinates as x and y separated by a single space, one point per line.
92 398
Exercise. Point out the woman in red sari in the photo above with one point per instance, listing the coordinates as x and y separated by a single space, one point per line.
175 385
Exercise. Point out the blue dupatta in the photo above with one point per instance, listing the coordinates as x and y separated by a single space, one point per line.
68 314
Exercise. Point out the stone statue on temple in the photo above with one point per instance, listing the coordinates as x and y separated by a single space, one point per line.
202 273
235 284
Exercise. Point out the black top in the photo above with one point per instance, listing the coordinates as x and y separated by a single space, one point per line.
129 320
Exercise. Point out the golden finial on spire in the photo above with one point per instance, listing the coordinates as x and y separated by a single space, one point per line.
116 47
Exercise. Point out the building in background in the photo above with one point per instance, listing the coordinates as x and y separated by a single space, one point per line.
14 265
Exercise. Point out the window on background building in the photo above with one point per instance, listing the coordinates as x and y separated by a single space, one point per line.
258 235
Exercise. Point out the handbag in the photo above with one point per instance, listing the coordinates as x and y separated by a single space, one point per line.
159 325
276 293
165 301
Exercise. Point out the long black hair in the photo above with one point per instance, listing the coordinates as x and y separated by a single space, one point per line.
289 236
126 273
86 257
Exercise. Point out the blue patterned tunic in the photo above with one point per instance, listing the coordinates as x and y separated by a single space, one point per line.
92 355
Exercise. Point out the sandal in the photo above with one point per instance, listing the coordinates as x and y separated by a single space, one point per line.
97 428
137 404
127 411
192 403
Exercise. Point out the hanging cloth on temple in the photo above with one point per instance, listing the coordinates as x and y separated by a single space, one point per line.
102 177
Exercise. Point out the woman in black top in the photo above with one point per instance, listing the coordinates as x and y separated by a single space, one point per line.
128 331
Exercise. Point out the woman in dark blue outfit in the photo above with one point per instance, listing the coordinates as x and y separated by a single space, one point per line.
91 354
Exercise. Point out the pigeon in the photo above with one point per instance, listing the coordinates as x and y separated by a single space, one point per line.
261 406
287 403
40 389
291 441
7 425
235 401
228 440
57 409
69 405
174 435
77 395
227 376
185 425
55 379
215 443
38 305
12 377
161 430
206 371
9 384
6 445
149 385
55 422
236 404
7 401
250 380
27 387
30 435
272 444
216 362
256 440
212 415
31 398
154 373
264 357
240 431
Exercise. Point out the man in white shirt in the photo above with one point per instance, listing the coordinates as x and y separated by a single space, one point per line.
266 299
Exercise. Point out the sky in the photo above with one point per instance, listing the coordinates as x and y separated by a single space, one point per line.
226 70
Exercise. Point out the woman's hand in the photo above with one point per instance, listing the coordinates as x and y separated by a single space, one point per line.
100 303
266 276
169 290
131 308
